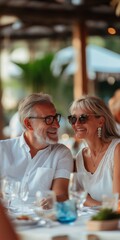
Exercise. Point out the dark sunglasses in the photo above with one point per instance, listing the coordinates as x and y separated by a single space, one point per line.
49 119
83 118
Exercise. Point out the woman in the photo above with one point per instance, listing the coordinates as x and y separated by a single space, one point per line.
92 121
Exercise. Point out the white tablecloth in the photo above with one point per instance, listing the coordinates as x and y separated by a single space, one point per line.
74 231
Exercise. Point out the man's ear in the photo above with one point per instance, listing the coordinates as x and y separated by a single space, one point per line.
28 124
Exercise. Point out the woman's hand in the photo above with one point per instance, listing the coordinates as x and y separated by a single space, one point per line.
90 202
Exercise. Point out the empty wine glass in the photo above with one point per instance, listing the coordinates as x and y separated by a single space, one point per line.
24 192
10 191
76 191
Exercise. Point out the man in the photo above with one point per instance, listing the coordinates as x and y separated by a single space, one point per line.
35 158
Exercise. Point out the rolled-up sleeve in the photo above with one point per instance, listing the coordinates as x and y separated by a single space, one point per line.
64 162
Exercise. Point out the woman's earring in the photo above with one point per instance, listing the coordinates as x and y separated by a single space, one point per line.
99 132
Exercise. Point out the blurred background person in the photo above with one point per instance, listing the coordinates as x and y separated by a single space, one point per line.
114 105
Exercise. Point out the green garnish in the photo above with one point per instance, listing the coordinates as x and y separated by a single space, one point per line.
106 214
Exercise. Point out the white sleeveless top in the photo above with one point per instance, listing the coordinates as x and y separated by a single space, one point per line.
101 181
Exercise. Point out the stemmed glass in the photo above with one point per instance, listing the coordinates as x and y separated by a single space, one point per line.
76 191
24 192
10 191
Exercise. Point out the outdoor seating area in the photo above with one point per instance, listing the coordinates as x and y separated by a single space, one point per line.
59 120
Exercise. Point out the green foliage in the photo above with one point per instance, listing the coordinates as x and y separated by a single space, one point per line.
38 77
106 214
113 44
37 74
96 40
110 42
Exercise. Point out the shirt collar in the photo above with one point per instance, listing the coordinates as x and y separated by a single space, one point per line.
23 142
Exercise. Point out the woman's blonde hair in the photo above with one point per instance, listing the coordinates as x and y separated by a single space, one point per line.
97 106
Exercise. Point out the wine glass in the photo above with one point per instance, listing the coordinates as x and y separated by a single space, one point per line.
10 191
24 192
77 191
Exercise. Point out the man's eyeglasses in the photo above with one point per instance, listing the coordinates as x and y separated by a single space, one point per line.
83 118
49 119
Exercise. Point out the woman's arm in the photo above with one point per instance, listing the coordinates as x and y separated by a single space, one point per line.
116 170
90 202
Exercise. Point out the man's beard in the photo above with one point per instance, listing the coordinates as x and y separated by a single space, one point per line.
42 140
51 141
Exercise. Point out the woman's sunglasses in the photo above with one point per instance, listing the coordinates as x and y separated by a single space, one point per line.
83 118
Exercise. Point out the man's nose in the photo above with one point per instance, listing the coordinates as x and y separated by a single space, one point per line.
56 123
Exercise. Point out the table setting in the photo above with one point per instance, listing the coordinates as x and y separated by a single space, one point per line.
47 219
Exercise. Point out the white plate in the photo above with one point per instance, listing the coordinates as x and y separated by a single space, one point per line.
21 222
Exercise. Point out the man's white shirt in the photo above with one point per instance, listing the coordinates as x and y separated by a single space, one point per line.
53 162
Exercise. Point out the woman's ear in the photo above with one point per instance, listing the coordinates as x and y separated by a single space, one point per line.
28 124
101 121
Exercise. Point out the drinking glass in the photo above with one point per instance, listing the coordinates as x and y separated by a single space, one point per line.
45 204
110 201
66 212
24 192
10 191
76 191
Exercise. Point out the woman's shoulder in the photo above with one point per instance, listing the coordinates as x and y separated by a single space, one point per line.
117 145
115 142
79 155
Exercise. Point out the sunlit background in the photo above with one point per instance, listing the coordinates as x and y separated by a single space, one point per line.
39 54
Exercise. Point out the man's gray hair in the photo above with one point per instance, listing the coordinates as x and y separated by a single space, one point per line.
26 104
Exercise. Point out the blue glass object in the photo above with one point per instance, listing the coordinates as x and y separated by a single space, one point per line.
66 212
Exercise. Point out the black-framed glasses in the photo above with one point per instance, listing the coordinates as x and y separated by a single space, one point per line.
83 118
49 119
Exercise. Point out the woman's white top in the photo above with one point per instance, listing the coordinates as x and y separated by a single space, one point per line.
101 181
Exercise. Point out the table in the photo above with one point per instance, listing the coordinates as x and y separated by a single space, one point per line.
74 231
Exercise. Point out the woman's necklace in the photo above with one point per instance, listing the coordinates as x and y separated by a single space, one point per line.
94 160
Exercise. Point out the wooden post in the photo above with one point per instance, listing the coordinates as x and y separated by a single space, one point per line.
79 43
